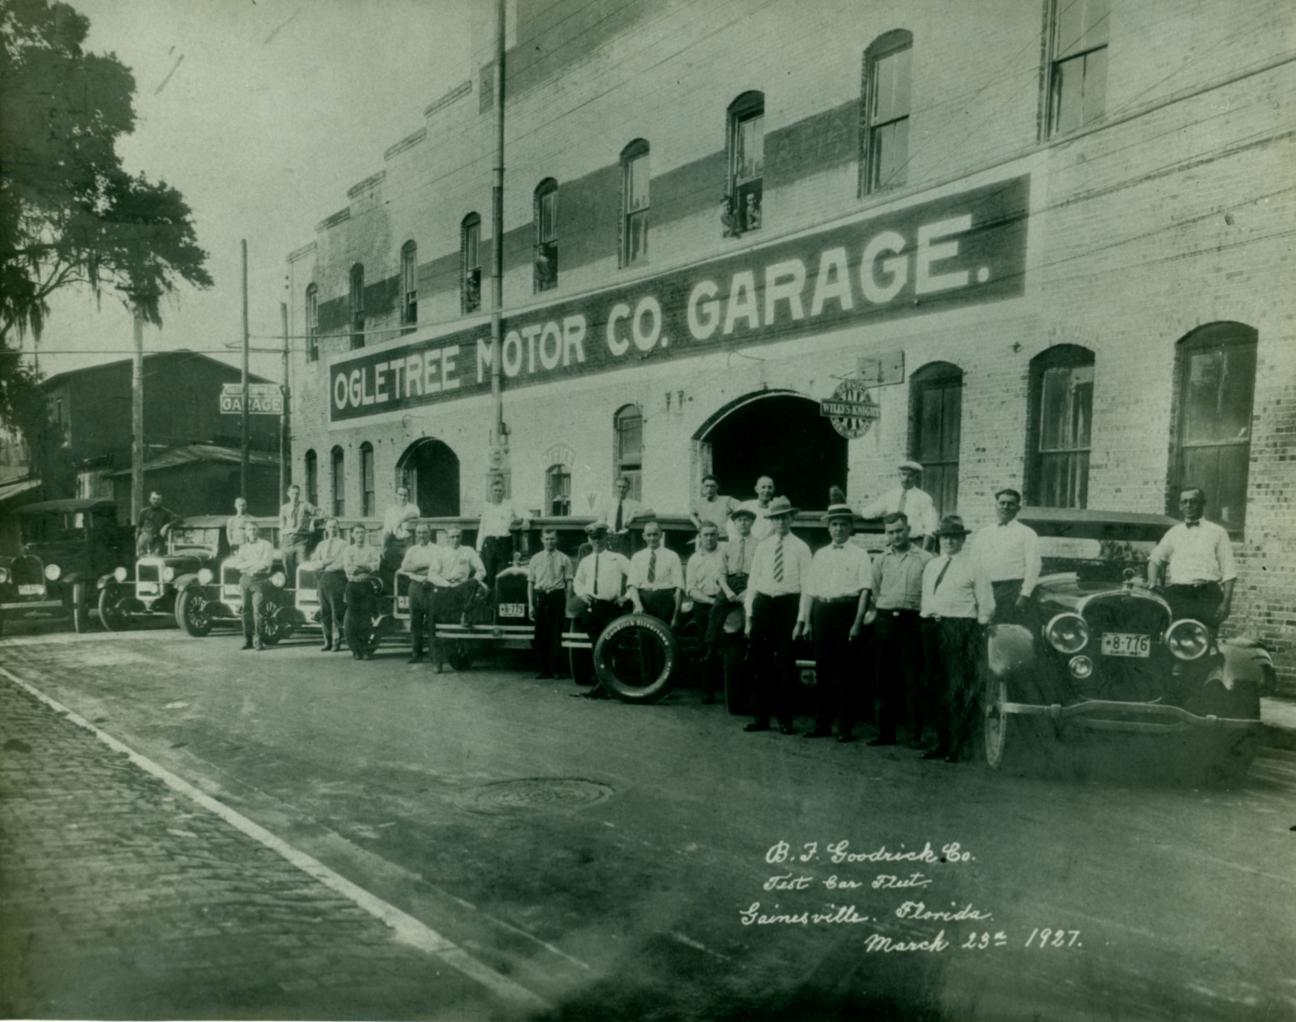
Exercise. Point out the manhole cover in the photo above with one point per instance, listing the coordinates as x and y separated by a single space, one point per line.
531 793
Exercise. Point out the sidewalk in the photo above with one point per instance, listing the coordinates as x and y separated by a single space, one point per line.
120 897
1279 719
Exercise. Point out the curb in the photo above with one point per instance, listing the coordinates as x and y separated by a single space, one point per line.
1278 736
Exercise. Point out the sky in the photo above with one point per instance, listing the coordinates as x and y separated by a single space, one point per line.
262 113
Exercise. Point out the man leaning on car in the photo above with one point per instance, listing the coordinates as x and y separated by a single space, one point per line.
254 560
1200 558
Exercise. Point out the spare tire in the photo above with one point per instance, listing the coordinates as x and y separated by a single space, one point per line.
635 657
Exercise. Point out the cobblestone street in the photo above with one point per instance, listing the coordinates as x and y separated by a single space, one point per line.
124 899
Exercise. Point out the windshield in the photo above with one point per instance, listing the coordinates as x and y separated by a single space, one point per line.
186 538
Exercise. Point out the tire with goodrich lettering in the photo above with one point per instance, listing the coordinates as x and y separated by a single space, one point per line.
635 657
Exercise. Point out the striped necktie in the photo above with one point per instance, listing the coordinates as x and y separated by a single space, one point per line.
652 565
778 560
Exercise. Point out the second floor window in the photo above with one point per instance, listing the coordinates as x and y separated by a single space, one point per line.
312 323
312 479
546 231
367 494
628 427
558 490
1077 88
1062 391
887 66
470 263
743 209
357 306
634 203
409 285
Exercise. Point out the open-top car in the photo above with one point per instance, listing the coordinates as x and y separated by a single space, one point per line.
150 588
1097 651
64 546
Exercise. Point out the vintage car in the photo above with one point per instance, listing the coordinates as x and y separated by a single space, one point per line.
211 597
64 546
1100 652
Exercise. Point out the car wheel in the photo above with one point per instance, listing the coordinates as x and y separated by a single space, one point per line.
276 624
193 612
1012 743
460 656
113 613
80 609
635 657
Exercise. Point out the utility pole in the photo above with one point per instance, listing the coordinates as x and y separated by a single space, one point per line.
285 468
497 226
137 419
243 461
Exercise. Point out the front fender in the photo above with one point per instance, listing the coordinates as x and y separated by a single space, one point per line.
1247 662
181 582
1011 650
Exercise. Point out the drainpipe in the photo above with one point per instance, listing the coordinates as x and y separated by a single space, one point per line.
497 229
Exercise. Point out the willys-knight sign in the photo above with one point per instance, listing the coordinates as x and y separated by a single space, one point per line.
955 250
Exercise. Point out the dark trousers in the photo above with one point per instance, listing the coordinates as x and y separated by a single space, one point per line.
293 555
708 619
422 604
899 672
953 658
332 597
595 615
660 603
550 610
837 667
359 614
1200 601
253 590
773 618
1005 597
496 555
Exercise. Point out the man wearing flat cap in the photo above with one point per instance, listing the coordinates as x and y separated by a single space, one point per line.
599 586
1009 554
957 604
777 607
915 504
840 578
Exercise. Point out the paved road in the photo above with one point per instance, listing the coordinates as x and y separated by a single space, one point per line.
612 860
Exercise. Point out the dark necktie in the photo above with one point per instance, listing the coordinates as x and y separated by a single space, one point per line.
652 565
940 575
596 557
778 560
617 527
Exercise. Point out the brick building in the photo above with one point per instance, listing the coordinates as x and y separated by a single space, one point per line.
1048 239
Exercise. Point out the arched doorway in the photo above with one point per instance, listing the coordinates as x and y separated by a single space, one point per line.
779 434
431 471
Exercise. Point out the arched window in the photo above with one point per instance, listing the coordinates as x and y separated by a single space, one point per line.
935 427
368 507
886 86
546 234
1061 423
312 478
337 480
558 490
1216 389
312 323
1077 42
357 306
634 202
409 286
627 427
470 271
746 148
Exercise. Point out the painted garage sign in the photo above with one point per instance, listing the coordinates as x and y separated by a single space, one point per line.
957 250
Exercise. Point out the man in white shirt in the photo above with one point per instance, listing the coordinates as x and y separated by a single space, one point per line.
957 605
1009 554
777 613
655 583
494 533
761 525
236 523
618 512
330 583
296 526
397 527
360 564
915 504
462 585
1200 558
703 584
255 559
423 564
599 585
711 507
840 578
548 576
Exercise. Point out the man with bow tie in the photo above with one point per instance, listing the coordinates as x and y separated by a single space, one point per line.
1200 558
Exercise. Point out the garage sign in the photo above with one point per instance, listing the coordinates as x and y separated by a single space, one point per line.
263 399
851 409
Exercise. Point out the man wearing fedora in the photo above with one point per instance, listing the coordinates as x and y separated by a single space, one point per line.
915 504
840 578
897 598
957 604
777 605
599 586
1009 554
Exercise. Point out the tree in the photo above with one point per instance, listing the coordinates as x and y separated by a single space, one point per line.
70 214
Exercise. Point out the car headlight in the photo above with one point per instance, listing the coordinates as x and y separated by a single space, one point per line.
52 572
1187 639
4 575
205 576
1067 633
1081 667
168 574
278 579
120 574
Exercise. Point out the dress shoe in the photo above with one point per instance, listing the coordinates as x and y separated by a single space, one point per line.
845 738
326 647
880 741
953 757
708 699
756 725
445 666
258 647
246 645
936 753
819 732
916 744
595 693
543 675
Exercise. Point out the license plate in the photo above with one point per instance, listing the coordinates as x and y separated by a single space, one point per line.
35 589
402 603
1126 644
512 610
147 589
